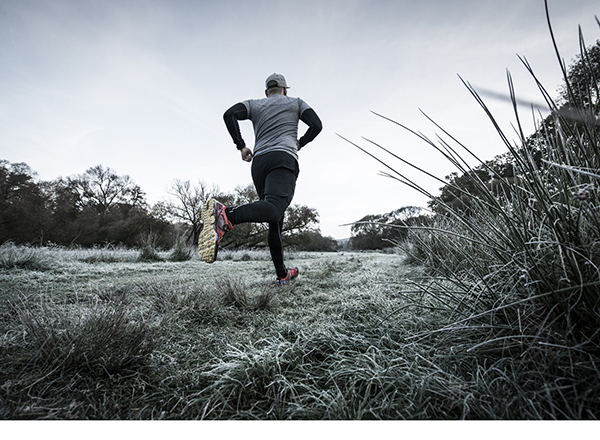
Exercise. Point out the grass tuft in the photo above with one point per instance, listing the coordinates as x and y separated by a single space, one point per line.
181 251
104 342
24 257
233 292
148 249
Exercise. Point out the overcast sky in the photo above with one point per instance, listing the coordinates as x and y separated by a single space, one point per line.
141 86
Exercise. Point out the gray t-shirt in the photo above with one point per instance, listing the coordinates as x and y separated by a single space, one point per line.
275 121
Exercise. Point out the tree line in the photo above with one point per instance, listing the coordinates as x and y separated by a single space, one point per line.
100 207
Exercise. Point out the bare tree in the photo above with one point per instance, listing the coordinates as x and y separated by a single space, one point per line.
189 203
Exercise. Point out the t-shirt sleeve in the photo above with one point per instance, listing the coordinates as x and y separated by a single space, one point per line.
303 106
248 104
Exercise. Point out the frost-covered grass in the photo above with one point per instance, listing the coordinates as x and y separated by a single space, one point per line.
356 336
124 339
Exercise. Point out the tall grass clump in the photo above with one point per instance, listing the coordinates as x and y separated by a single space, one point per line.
24 257
515 260
62 360
234 293
181 251
103 342
148 250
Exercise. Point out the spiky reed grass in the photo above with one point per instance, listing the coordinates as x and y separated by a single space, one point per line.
518 270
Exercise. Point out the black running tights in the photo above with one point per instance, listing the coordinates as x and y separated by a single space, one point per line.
274 175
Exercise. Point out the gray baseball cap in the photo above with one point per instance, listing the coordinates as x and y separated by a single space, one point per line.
279 80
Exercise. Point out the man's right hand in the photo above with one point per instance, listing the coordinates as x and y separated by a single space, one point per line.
246 154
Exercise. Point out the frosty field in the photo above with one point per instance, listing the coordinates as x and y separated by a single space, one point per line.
99 335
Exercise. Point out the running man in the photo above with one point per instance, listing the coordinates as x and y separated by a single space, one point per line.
274 169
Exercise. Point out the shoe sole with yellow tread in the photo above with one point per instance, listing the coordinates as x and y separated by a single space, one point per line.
208 240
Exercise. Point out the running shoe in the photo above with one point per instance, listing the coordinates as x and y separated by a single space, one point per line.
291 274
216 224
